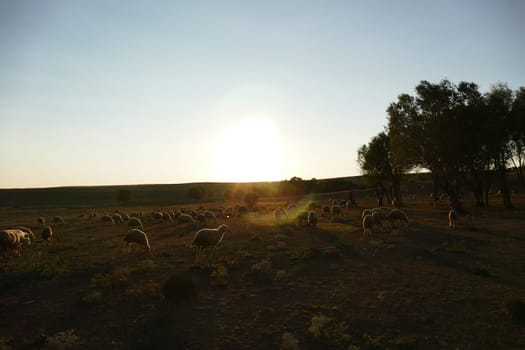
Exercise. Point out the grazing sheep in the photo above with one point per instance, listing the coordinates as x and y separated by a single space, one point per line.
368 225
46 234
200 217
210 215
185 218
136 214
380 217
139 237
312 219
365 213
394 203
157 215
166 217
397 215
452 218
134 223
58 220
125 216
206 238
227 213
278 214
301 217
13 239
41 220
107 219
117 218
28 232
335 210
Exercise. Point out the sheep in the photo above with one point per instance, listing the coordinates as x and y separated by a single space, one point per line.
46 234
326 211
157 215
41 220
200 217
227 212
397 215
117 218
206 238
58 220
136 214
335 210
125 216
368 225
210 215
28 232
312 219
380 217
365 213
134 223
107 219
139 237
13 239
185 218
452 217
278 213
166 217
301 217
394 203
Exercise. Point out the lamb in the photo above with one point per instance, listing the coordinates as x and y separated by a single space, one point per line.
452 217
139 237
13 239
335 210
368 225
46 234
312 219
134 223
107 219
58 220
397 215
206 238
41 220
185 218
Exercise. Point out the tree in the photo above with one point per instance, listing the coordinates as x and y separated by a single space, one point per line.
376 161
517 136
124 196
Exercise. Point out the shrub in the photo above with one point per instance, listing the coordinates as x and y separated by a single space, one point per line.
220 275
334 333
264 266
62 340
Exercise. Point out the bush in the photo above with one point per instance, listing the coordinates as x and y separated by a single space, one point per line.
334 333
220 275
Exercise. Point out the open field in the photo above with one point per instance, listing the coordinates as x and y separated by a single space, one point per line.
420 287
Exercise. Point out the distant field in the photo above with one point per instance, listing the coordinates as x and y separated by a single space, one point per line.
420 287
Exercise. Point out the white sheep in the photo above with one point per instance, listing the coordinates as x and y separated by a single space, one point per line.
452 218
135 223
365 213
368 225
13 239
41 220
139 237
380 217
166 217
210 215
312 219
335 210
46 234
397 215
394 203
28 231
117 218
207 238
107 219
200 217
58 220
185 218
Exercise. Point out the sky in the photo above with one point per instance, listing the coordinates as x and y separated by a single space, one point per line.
143 92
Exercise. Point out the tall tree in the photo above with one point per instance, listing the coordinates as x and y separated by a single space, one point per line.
517 135
376 161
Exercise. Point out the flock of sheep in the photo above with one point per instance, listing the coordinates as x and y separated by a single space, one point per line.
206 238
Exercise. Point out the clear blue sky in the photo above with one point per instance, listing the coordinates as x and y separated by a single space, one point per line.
130 92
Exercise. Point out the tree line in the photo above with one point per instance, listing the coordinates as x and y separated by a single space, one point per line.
464 138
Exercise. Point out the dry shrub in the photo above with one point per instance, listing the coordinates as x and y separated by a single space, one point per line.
219 275
329 331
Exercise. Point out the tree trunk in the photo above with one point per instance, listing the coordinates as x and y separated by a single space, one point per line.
380 193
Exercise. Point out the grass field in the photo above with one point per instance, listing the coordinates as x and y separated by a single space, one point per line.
271 286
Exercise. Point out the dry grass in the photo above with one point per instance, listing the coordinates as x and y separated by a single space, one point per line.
421 287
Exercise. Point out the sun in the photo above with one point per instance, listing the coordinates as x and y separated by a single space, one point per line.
248 151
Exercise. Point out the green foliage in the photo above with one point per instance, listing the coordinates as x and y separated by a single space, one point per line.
62 340
289 342
334 333
220 275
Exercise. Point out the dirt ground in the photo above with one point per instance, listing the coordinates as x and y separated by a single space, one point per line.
269 286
